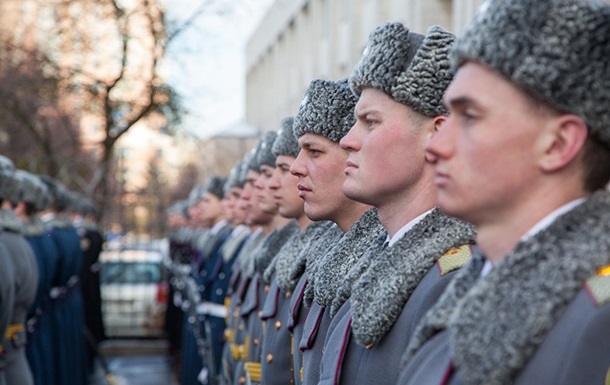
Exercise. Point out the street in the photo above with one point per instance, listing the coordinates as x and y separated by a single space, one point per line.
134 362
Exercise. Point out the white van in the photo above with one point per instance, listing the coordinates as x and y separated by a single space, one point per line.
134 292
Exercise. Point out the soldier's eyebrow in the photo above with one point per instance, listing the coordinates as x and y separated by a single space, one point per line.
459 102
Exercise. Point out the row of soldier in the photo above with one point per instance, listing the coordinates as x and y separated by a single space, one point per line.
347 261
48 245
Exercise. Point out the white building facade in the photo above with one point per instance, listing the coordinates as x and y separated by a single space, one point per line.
301 40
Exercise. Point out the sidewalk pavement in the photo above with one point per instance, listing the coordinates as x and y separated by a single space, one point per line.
134 362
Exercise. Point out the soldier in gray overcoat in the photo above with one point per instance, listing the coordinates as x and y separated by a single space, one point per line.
7 297
25 275
276 355
529 119
284 228
319 125
272 233
400 81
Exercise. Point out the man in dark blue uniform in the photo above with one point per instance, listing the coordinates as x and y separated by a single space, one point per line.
68 315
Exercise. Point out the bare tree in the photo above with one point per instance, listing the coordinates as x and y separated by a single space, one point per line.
94 72
37 127
93 63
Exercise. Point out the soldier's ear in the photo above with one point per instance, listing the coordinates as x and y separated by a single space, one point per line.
435 127
561 141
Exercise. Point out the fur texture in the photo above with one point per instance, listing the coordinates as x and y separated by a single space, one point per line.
265 154
422 85
389 50
32 190
272 245
244 257
390 275
327 109
497 322
215 186
326 234
34 227
286 143
286 260
233 178
558 50
10 222
410 68
328 276
9 187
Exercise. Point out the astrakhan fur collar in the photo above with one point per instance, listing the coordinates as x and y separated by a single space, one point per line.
287 250
389 276
33 227
248 253
272 245
328 276
319 248
497 322
326 234
288 257
10 222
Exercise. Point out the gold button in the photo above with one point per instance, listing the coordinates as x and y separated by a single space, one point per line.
288 294
267 288
242 380
255 341
278 324
269 357
369 345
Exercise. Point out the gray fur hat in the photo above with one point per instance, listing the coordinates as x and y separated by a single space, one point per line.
33 190
9 184
233 178
59 192
251 159
215 186
265 154
411 68
557 50
243 170
195 195
286 143
326 109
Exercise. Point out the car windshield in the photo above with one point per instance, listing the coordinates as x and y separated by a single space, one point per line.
130 273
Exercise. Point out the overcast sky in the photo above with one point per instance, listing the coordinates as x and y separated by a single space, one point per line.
207 61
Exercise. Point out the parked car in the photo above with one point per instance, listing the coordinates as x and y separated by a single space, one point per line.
134 292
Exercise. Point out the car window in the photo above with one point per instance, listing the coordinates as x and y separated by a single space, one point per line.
130 273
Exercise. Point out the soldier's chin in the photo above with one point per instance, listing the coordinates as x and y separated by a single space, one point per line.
451 208
352 190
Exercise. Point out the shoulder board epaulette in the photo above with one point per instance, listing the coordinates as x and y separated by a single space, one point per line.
253 371
454 259
598 286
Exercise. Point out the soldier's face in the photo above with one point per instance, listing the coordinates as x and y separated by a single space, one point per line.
386 150
265 195
284 187
486 153
320 168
